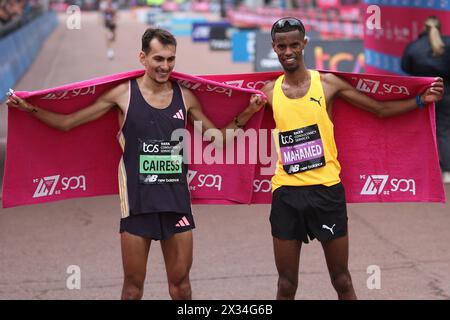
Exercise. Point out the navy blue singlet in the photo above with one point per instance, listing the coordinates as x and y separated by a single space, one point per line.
152 175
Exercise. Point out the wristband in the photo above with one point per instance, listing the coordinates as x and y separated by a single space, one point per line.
419 102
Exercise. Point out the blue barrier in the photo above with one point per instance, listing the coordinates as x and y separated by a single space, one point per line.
19 49
182 26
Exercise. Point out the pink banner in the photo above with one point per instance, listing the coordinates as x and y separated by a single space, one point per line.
383 160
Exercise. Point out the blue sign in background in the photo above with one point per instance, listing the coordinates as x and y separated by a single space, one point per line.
19 49
181 26
243 46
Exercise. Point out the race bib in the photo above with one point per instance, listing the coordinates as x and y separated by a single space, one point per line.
160 162
301 149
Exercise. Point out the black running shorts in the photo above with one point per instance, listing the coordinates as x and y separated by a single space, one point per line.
110 25
157 226
309 211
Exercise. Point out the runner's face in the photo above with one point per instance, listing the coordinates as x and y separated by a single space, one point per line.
289 48
159 62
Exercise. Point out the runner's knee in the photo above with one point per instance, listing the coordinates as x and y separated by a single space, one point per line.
287 286
133 287
341 281
180 289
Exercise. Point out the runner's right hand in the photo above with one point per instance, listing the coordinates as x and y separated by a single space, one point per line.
16 102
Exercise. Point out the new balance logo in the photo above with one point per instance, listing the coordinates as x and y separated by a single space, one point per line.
315 100
366 85
324 226
151 178
179 115
183 222
374 184
46 186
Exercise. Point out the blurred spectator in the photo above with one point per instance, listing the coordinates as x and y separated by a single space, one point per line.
429 56
15 13
108 8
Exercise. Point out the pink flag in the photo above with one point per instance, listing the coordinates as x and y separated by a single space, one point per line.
383 160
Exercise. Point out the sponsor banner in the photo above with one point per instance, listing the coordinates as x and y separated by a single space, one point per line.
383 63
379 162
201 30
181 26
400 23
346 23
328 4
154 16
376 184
56 185
220 37
265 58
335 55
439 5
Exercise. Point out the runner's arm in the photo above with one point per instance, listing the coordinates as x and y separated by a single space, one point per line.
66 122
267 89
382 109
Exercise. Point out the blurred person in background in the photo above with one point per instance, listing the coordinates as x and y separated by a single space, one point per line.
429 56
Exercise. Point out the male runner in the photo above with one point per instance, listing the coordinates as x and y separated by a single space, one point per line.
308 197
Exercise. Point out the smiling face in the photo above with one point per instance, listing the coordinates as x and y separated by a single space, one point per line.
289 48
159 61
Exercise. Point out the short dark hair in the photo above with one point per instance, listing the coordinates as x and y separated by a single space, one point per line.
432 21
164 36
287 24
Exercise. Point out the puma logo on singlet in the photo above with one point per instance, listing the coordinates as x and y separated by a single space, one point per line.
324 226
315 100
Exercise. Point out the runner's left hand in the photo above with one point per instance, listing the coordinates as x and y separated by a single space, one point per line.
257 101
435 92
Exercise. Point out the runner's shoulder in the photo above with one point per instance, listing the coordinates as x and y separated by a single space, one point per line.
331 80
327 77
190 99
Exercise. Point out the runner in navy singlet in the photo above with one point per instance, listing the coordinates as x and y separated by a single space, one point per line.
154 194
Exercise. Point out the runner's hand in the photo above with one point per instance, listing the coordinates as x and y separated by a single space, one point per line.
257 101
435 92
16 102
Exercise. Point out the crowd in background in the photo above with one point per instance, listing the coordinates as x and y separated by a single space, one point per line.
15 13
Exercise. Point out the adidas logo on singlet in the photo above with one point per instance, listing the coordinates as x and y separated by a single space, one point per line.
179 115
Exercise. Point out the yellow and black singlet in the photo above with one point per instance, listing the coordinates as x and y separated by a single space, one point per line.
304 138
